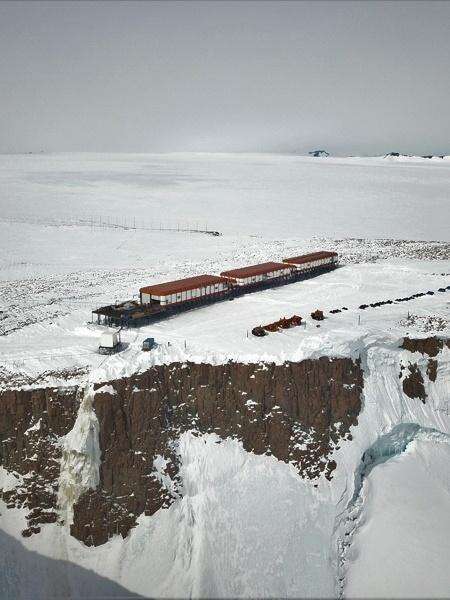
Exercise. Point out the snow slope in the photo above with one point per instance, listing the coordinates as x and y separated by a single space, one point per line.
246 526
407 519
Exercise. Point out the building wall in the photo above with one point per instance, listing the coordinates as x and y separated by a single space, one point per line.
186 295
263 277
316 263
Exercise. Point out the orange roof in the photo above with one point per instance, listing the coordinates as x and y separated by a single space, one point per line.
254 270
181 285
310 257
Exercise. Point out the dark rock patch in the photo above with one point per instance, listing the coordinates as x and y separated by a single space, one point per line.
430 346
413 383
30 424
432 369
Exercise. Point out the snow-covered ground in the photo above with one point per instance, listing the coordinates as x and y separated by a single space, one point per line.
219 540
54 343
77 231
276 196
80 231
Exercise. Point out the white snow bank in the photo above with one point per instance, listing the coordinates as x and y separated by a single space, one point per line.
246 526
106 389
9 480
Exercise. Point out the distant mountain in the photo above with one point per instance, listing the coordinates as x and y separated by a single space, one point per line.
319 153
400 155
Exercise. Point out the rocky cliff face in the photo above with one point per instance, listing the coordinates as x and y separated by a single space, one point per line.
430 345
298 412
31 423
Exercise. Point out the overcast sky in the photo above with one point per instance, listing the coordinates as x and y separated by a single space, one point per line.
351 77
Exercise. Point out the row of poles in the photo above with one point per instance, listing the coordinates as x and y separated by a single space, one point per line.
131 222
125 222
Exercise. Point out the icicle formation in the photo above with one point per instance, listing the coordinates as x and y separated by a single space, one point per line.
80 459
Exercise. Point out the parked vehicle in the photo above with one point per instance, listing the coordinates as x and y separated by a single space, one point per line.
259 331
148 344
110 342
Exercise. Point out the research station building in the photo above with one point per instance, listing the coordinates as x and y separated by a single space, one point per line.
258 273
183 290
314 260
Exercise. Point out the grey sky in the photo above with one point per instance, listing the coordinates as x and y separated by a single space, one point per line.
352 77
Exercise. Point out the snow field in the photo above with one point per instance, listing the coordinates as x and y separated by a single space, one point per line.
246 525
276 196
386 411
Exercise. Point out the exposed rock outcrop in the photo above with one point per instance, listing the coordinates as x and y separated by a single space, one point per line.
31 423
430 345
432 369
319 153
297 412
413 383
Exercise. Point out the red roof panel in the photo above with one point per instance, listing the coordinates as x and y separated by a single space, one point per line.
181 285
254 270
305 258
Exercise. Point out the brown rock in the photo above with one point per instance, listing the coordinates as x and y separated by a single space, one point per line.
270 408
30 423
413 383
432 369
431 345
289 411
